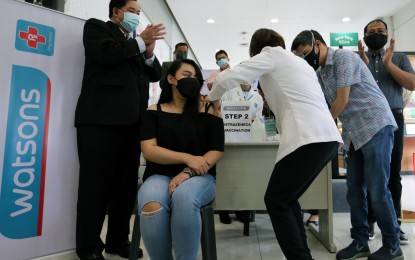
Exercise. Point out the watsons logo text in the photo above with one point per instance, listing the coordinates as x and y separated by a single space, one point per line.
25 151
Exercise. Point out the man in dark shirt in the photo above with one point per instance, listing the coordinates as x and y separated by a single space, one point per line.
114 95
392 72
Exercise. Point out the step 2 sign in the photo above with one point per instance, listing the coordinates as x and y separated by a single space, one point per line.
237 121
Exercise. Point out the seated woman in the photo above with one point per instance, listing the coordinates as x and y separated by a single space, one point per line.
182 140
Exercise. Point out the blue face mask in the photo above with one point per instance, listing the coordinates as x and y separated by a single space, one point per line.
222 62
130 22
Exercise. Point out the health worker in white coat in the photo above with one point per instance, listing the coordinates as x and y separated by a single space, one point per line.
309 136
246 93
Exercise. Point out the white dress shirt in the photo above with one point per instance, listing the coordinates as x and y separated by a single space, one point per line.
293 93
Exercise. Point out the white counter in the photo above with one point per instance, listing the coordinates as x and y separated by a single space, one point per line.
242 178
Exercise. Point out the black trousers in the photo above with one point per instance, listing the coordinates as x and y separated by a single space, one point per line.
109 158
394 184
290 178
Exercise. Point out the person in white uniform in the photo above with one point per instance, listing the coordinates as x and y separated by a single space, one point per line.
246 93
309 136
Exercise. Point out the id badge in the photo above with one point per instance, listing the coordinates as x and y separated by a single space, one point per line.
270 127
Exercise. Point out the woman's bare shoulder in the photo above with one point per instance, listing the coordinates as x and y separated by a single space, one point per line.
210 109
152 107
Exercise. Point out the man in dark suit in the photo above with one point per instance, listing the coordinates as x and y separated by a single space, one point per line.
118 69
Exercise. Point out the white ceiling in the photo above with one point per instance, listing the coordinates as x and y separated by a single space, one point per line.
233 17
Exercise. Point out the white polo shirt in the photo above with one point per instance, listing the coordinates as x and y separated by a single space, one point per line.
293 93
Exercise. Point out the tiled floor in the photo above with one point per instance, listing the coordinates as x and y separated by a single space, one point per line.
261 244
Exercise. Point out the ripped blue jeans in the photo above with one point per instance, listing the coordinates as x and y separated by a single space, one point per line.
177 226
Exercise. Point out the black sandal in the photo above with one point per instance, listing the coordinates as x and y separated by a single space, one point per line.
311 222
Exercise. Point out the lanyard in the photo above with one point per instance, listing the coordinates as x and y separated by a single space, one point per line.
246 97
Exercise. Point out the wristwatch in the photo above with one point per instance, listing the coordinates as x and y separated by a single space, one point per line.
189 171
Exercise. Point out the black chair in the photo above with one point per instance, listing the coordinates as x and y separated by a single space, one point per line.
248 216
207 239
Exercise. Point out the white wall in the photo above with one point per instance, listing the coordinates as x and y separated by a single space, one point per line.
404 26
158 12
155 12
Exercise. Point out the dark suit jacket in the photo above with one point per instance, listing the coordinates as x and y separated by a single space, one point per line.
116 79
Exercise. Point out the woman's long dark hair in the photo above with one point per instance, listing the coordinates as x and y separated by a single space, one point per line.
265 37
191 107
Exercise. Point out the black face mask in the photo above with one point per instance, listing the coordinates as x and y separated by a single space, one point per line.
188 87
313 58
376 41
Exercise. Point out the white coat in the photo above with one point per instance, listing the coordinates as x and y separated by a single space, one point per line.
293 93
255 99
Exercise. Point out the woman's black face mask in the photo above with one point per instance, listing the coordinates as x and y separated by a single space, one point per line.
188 87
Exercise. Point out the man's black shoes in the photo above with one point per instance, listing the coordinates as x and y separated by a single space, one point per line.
122 249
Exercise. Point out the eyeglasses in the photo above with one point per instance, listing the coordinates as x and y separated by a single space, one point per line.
379 31
131 10
301 54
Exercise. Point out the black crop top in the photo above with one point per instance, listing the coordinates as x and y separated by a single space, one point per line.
206 133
